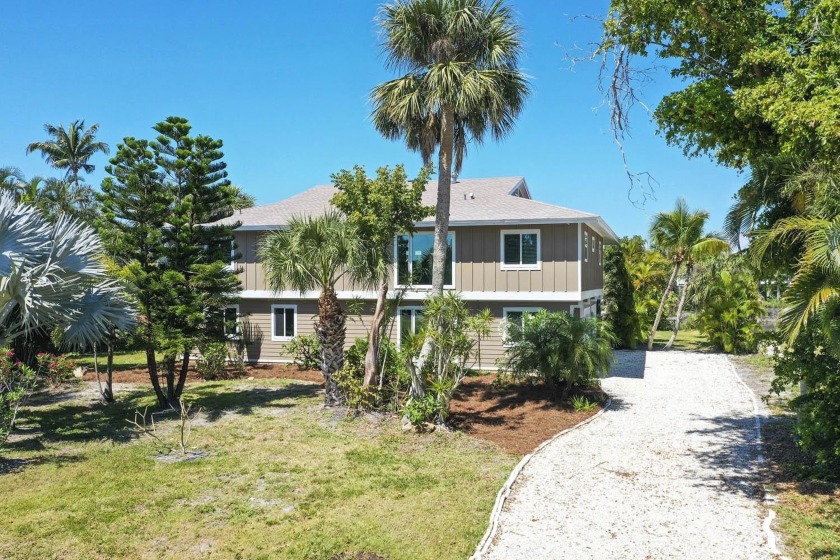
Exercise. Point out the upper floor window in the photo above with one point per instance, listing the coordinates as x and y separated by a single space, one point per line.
414 259
521 249
600 253
585 247
283 322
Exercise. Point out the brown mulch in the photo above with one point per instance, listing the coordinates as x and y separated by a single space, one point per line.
517 417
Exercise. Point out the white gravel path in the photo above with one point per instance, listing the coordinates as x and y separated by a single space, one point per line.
667 472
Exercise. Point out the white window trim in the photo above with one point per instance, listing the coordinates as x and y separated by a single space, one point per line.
422 286
505 311
274 337
600 253
585 246
520 232
233 259
414 309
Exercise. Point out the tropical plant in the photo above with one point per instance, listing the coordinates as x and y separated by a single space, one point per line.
55 368
70 149
679 235
559 349
156 207
17 381
455 332
808 361
649 271
730 307
315 252
461 82
619 298
212 360
305 351
380 208
52 278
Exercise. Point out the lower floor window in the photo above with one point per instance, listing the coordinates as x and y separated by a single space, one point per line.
411 322
514 318
284 322
231 321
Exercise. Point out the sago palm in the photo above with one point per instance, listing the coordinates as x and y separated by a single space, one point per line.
314 253
70 148
52 277
461 83
679 235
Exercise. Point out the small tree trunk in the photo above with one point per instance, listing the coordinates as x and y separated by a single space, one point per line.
447 141
330 331
109 374
182 375
680 307
668 289
372 355
151 362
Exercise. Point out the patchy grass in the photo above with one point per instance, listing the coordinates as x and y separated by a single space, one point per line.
285 478
808 509
689 340
129 359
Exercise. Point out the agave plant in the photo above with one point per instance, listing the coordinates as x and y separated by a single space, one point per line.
52 277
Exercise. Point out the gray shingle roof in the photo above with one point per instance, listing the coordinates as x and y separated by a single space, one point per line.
473 201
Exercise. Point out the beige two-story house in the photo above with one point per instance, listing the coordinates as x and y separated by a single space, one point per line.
507 253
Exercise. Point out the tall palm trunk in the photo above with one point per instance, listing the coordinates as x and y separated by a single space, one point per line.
668 289
330 331
372 355
447 141
688 271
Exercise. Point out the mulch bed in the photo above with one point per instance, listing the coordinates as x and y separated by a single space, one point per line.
517 417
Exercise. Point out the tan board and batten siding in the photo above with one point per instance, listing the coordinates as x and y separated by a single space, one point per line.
477 262
257 316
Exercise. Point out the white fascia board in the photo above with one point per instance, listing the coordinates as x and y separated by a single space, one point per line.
422 294
596 222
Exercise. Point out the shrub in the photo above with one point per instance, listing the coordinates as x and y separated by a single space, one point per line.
619 300
212 360
730 309
375 397
809 361
17 381
305 351
55 369
560 349
582 404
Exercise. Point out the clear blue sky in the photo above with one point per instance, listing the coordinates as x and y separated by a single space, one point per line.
285 85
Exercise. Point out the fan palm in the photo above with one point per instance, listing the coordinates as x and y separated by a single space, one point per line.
461 83
70 148
51 276
315 252
679 235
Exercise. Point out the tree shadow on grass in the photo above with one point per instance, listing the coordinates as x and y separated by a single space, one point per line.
13 466
730 456
215 403
74 421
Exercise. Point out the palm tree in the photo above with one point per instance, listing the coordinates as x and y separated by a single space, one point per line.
461 82
52 277
70 149
679 235
315 252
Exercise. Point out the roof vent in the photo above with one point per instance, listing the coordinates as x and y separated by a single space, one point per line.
472 196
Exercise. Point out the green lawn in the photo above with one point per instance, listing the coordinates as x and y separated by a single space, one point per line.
129 359
690 340
285 478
